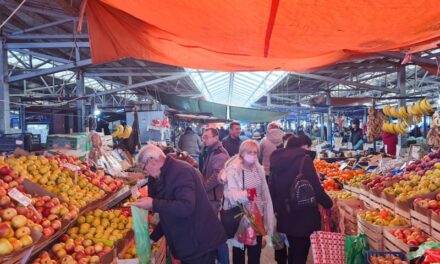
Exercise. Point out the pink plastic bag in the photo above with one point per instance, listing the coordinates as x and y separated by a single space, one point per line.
245 233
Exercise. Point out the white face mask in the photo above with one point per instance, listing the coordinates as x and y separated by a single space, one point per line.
251 159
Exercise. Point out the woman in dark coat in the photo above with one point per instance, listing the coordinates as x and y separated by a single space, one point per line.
298 225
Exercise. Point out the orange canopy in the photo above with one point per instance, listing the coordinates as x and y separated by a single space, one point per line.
242 35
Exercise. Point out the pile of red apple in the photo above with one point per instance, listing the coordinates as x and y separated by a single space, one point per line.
98 178
51 212
432 204
78 251
381 182
15 231
411 236
428 162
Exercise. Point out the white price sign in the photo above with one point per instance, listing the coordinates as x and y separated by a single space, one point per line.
71 167
19 197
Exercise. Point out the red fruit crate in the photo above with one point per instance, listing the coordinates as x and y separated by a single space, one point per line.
392 243
421 220
388 205
435 226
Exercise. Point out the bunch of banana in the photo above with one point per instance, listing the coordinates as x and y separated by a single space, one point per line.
393 112
127 132
395 128
417 119
420 108
119 131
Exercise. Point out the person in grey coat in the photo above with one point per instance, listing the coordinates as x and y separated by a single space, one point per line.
191 143
269 143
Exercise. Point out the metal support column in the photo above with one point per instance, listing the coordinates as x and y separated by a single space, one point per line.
329 120
321 123
401 86
22 117
80 105
5 119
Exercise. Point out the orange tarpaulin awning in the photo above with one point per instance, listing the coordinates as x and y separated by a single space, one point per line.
242 35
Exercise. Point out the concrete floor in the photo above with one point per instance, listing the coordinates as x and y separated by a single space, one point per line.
267 256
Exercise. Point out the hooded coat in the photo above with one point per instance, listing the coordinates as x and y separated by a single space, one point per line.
268 144
284 166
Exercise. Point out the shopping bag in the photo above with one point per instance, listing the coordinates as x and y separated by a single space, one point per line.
328 247
245 233
141 234
355 248
278 241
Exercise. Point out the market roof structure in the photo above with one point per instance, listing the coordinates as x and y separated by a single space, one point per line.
47 62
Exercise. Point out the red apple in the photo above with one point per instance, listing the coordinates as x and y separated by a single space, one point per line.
38 228
4 200
55 210
22 231
94 259
46 212
433 204
56 224
39 203
26 240
87 242
8 214
8 178
57 247
45 223
79 255
79 248
90 250
99 247
107 249
52 217
46 198
64 238
48 231
19 221
23 211
61 253
79 240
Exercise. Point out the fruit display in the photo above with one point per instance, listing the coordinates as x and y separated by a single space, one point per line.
429 203
341 195
378 183
52 176
331 184
374 125
386 259
102 226
51 213
130 252
356 181
415 186
411 236
345 175
324 167
74 251
382 217
433 137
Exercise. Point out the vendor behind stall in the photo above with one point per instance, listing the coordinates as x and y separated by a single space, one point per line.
356 135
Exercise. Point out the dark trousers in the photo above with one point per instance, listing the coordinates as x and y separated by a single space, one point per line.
298 249
253 253
281 256
204 259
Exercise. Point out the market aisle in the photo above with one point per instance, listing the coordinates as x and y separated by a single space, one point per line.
268 258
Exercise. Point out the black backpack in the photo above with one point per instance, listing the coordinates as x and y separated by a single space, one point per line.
302 194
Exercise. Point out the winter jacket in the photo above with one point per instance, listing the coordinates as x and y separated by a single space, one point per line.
284 166
268 144
232 177
191 143
355 136
187 220
214 160
231 145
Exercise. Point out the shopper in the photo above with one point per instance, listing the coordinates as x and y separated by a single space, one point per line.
232 142
285 138
269 143
242 176
390 141
307 144
298 225
191 143
214 159
187 221
356 135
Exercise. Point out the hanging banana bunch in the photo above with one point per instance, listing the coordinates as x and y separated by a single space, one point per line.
127 132
119 131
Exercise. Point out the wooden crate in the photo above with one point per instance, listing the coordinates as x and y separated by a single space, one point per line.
435 226
373 233
376 199
392 243
403 212
421 221
390 206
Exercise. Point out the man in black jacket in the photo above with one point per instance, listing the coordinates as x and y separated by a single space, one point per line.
232 142
192 229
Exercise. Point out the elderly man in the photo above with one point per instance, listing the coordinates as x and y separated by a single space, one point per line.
192 229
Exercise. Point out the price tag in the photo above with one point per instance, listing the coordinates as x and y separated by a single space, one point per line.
135 192
365 146
19 197
343 166
71 167
337 148
386 149
350 145
19 142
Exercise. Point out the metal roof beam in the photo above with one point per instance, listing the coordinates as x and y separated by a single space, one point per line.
127 74
231 87
359 70
65 67
47 36
414 58
51 24
41 55
341 81
146 83
47 45
40 10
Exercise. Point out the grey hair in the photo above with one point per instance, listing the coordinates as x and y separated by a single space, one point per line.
149 151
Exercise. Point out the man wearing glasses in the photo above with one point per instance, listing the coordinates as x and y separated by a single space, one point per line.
187 221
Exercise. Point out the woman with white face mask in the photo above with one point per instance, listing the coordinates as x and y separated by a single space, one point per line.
245 181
